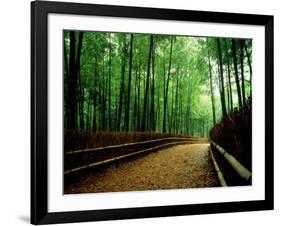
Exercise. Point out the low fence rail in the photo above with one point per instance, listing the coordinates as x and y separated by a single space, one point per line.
78 160
240 170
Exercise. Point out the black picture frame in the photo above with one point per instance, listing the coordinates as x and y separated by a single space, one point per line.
39 111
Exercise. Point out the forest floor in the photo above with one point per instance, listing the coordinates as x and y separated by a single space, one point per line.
182 166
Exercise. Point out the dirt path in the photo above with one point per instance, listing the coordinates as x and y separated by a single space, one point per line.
182 166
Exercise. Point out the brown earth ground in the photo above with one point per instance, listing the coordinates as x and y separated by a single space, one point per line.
182 166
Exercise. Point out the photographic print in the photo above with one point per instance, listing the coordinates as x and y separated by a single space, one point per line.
154 111
146 112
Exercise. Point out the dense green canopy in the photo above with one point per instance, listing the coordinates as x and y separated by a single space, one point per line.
157 83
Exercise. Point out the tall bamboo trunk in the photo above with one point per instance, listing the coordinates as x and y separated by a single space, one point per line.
167 87
144 118
211 86
221 79
236 72
242 71
127 115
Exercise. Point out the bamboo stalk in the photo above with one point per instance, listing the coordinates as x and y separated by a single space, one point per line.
237 166
218 171
120 157
131 144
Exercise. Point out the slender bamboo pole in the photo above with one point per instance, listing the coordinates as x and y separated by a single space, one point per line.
237 166
121 157
135 143
218 171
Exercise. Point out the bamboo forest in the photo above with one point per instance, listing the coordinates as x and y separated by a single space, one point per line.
121 88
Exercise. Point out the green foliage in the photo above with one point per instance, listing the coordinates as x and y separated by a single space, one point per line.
102 93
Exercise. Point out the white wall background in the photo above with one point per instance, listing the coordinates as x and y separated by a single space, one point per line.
15 111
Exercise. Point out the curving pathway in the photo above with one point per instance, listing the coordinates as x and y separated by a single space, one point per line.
182 166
